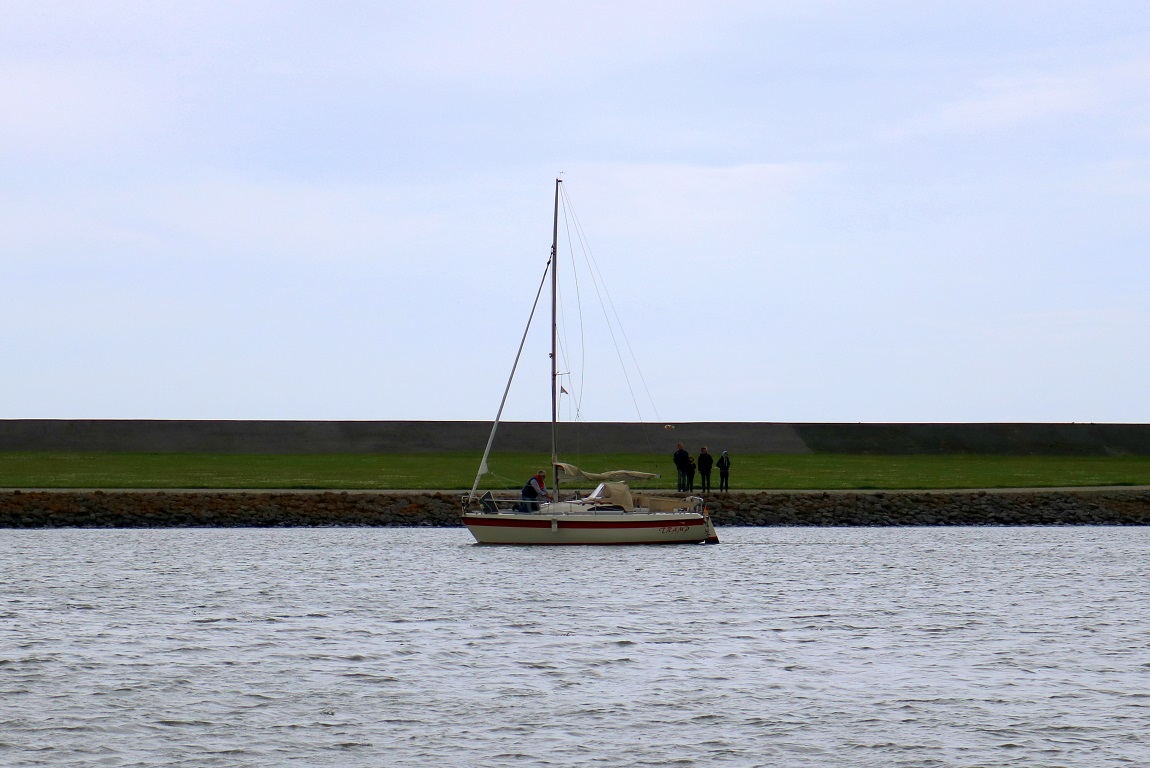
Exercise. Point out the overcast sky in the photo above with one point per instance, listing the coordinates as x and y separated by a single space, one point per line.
805 211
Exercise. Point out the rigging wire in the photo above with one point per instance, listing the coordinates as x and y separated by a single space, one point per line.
601 289
579 307
483 469
564 354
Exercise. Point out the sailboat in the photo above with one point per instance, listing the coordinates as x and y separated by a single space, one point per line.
611 514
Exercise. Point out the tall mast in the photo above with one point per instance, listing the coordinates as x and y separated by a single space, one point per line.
555 335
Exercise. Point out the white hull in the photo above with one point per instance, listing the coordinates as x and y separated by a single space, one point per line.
622 528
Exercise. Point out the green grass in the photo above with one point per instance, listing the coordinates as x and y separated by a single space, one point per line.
456 471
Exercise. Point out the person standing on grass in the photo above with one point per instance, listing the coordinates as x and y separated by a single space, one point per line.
706 461
690 474
724 465
681 457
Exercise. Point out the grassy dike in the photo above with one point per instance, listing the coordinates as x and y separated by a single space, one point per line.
456 471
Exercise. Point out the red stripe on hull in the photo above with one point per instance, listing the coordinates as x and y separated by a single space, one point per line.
507 523
639 524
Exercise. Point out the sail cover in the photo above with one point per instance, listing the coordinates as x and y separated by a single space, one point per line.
572 472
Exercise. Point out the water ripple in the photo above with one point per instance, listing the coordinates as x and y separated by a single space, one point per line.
781 647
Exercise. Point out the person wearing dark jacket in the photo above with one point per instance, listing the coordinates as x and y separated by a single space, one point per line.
724 465
706 461
535 491
690 474
681 457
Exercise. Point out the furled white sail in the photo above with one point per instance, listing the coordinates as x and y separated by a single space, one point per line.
572 472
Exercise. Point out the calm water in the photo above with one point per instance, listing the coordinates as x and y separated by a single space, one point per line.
780 647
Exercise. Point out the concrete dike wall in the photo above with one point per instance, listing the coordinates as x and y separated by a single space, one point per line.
168 509
318 437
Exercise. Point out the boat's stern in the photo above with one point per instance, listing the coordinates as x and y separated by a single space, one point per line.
712 536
